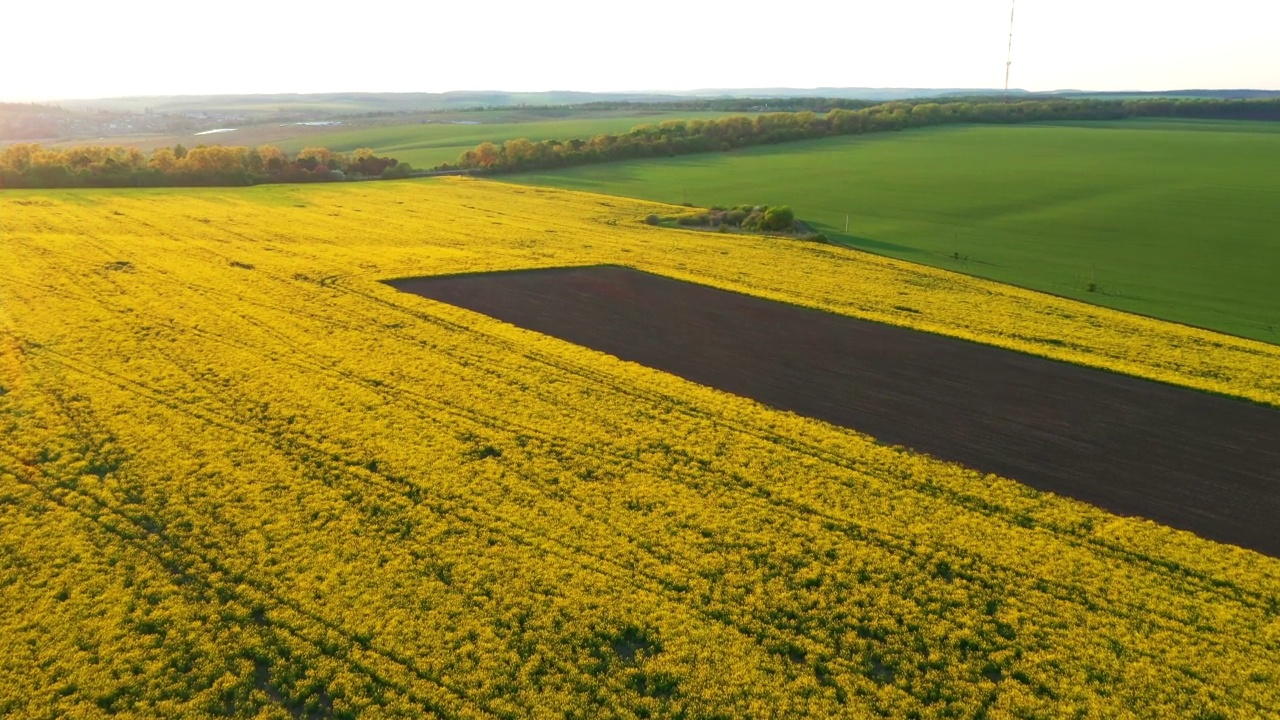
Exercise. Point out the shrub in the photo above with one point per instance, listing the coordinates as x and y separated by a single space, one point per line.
778 218
399 170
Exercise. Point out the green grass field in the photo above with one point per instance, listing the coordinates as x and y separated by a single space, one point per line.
1175 219
426 145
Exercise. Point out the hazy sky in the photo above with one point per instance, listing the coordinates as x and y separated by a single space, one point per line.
101 48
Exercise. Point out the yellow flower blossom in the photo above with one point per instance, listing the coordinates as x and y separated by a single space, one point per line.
240 475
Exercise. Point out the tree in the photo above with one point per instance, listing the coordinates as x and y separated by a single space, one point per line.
926 114
310 158
519 151
17 157
486 154
273 159
163 160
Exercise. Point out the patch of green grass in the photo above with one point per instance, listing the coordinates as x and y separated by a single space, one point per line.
427 144
1176 219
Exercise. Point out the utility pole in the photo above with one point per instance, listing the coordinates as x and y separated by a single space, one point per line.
1008 63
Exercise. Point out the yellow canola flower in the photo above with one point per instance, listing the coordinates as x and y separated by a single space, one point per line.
240 475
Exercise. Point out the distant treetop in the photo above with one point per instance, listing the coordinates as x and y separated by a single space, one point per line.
30 165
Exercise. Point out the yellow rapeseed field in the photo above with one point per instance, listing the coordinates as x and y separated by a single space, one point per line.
241 476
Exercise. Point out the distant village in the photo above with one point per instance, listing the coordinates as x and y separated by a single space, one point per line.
21 122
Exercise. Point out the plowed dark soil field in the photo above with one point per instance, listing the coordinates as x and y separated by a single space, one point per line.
1188 459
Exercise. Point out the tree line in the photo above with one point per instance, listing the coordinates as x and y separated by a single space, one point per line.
681 137
784 104
31 165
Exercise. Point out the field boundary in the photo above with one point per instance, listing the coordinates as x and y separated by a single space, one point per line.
693 280
1182 457
835 243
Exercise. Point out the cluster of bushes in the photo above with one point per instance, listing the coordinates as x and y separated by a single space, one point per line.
31 165
774 219
680 137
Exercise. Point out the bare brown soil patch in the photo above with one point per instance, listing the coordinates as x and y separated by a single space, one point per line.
1187 459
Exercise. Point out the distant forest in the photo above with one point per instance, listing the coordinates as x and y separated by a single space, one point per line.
30 165
745 104
681 137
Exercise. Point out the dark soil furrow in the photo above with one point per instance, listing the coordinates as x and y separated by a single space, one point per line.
1181 457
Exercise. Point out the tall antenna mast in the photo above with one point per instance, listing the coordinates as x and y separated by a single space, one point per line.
1008 63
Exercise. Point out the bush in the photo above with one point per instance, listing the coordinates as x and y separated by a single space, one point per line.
399 170
778 218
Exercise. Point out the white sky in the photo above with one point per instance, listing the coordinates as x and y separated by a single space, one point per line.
102 48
